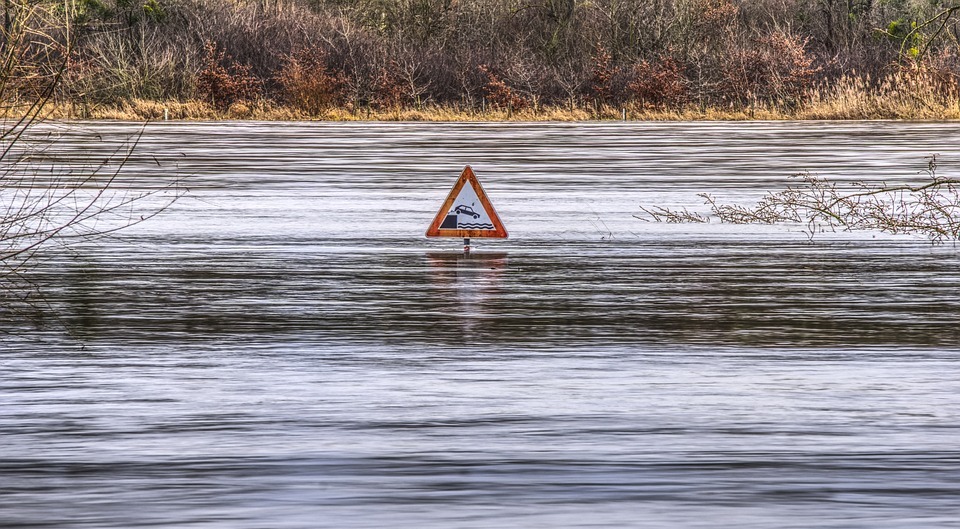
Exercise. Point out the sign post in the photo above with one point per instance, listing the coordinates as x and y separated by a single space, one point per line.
467 213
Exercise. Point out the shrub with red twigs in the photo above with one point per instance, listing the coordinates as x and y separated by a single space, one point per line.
222 85
308 83
659 84
499 94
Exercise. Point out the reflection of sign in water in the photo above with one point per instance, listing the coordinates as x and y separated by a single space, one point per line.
466 289
467 212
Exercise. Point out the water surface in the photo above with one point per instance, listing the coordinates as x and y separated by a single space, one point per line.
284 349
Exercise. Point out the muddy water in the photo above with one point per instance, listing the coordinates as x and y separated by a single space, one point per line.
284 349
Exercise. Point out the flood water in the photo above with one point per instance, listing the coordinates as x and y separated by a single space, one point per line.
283 348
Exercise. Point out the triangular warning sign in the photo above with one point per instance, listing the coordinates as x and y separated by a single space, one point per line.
467 212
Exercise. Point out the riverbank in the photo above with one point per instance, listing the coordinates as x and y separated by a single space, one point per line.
852 107
440 60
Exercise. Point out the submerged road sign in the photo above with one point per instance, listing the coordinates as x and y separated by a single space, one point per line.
467 212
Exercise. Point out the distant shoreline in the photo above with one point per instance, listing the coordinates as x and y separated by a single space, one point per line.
143 110
483 60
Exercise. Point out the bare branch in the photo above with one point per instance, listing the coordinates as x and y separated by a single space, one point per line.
931 209
45 204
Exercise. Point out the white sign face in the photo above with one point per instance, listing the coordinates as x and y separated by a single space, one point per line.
469 212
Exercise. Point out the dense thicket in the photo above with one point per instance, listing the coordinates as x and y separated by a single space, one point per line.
316 54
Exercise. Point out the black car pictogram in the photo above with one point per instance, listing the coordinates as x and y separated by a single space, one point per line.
466 210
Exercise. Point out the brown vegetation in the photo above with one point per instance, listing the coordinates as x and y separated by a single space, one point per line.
306 82
501 96
659 59
660 84
224 82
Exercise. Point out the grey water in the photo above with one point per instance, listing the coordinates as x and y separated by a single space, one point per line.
283 348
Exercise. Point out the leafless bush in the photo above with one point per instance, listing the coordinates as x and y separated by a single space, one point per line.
601 81
32 54
222 81
501 95
45 202
931 208
137 63
659 84
417 71
49 199
776 68
308 83
390 91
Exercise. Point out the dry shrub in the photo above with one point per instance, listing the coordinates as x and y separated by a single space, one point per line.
223 85
790 68
716 12
31 55
499 94
80 75
389 89
601 79
712 20
659 85
777 69
308 83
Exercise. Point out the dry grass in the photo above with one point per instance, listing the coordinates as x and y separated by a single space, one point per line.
904 95
859 108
